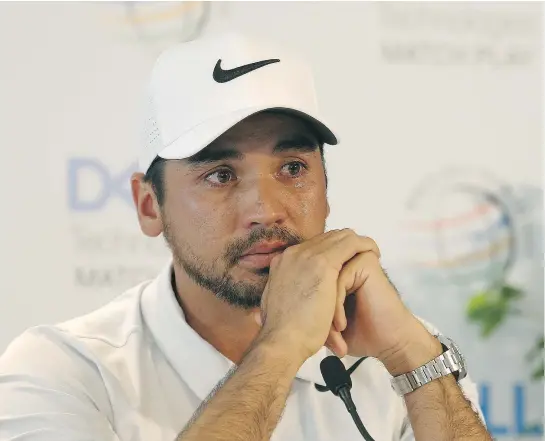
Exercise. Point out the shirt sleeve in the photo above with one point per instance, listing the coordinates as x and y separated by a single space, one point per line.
469 389
47 393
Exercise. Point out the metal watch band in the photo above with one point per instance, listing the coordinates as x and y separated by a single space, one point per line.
445 364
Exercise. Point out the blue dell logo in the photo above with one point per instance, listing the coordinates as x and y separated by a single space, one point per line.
91 185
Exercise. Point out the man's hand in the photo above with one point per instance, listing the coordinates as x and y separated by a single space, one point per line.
302 292
370 318
332 290
305 303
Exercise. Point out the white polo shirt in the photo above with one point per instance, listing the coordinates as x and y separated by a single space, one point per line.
134 370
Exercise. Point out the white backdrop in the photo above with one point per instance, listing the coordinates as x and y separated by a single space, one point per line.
439 111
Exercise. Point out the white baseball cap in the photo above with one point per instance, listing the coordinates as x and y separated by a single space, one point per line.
200 89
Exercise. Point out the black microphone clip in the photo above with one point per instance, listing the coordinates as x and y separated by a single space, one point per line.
338 381
350 370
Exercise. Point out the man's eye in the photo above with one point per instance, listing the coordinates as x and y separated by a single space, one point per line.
220 177
294 168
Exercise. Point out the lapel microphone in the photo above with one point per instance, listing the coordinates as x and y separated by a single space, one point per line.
338 381
350 371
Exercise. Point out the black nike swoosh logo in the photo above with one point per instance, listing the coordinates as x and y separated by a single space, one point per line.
223 76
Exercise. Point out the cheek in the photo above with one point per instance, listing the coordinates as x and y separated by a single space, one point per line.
199 218
309 205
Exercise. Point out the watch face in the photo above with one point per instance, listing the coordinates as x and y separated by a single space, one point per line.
449 343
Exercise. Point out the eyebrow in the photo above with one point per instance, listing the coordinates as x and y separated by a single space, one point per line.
300 143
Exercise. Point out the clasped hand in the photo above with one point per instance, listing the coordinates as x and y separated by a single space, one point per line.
331 290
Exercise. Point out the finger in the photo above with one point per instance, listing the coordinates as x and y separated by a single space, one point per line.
342 246
351 278
373 246
328 236
339 318
339 245
335 342
354 274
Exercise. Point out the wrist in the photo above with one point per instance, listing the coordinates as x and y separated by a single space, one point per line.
276 347
418 349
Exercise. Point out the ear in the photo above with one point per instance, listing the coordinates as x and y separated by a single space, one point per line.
147 207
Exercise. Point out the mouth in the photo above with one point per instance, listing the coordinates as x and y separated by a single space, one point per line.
261 255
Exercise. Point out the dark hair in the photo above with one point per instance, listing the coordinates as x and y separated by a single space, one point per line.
155 176
156 173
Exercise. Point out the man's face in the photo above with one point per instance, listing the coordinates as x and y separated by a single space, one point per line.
231 208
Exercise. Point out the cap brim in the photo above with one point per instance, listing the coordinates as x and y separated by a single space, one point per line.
200 136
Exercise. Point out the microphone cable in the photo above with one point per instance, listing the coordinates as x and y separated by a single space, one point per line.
338 381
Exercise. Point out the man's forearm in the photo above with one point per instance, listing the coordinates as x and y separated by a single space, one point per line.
438 411
248 403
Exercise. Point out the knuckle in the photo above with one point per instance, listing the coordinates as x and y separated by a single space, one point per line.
371 242
346 232
349 235
374 246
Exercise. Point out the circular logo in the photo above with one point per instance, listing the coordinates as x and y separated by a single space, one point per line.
158 23
460 230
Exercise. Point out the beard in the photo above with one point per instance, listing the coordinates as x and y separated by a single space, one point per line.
215 276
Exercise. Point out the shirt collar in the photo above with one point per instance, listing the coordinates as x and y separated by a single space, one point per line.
199 364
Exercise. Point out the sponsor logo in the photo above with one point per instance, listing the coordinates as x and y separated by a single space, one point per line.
516 421
155 23
92 185
474 239
440 34
224 75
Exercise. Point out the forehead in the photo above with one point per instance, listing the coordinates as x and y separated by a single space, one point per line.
265 127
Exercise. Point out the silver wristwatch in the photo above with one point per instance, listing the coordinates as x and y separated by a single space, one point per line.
450 361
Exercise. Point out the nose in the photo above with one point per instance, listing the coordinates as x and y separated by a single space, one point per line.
263 203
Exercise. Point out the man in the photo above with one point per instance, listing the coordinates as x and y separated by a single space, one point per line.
231 335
